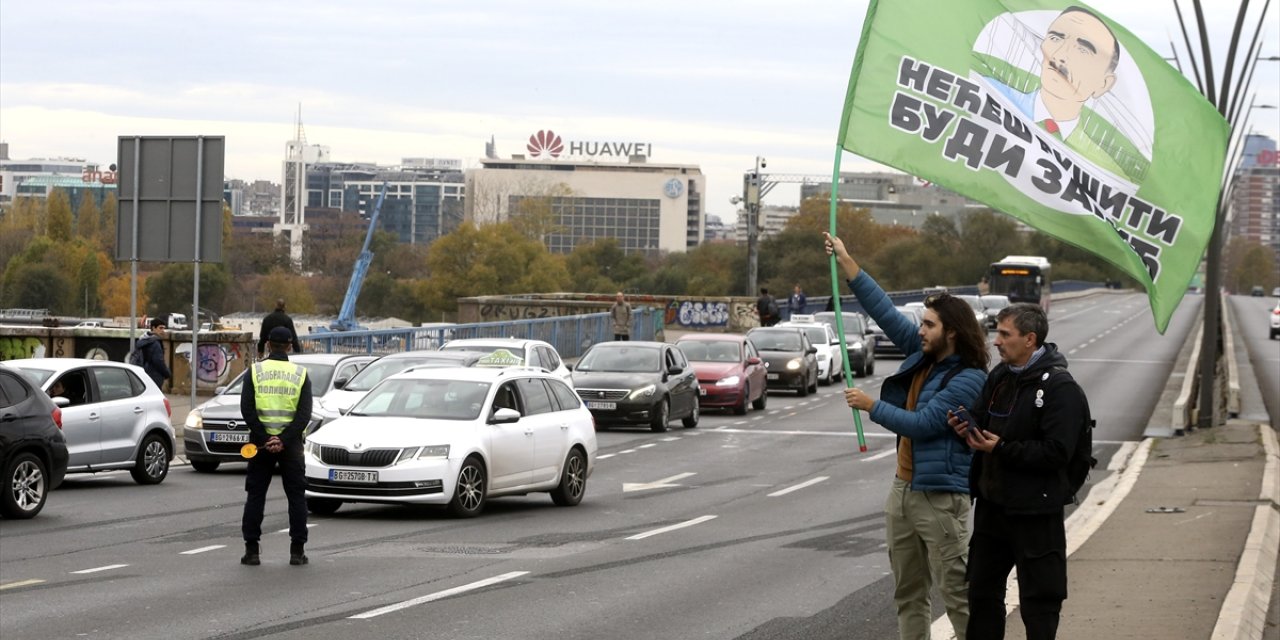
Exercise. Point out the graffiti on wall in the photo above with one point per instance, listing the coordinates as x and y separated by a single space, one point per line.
499 312
16 348
697 313
214 364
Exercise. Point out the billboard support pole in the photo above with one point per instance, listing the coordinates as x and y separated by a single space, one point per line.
194 322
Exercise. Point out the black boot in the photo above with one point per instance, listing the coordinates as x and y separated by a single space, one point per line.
296 556
251 554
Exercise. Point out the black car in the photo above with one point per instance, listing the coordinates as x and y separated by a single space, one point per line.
858 340
883 345
791 360
637 383
33 451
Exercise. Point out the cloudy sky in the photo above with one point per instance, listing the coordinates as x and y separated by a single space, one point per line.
707 82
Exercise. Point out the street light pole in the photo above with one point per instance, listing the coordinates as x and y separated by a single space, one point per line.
751 201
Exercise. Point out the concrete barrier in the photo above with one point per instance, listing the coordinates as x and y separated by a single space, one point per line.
1233 370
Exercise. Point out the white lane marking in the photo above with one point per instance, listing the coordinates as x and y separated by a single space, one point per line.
806 483
646 446
883 454
309 525
106 568
438 595
20 583
204 549
605 456
626 451
838 434
673 439
657 484
679 525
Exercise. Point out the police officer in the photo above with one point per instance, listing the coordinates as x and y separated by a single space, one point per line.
276 404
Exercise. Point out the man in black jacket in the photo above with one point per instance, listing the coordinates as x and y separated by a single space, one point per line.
153 352
278 318
1027 421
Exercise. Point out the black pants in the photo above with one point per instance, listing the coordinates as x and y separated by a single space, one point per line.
258 479
1037 546
621 336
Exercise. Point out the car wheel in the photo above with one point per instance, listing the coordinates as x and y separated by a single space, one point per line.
469 493
831 377
759 403
26 487
323 506
662 416
153 461
740 409
861 371
871 366
205 466
573 480
691 421
813 386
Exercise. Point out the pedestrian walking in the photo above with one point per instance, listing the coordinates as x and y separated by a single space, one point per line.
151 352
276 405
927 511
621 312
278 318
767 309
795 304
1025 427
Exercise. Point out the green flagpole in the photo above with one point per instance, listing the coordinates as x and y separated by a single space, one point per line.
835 302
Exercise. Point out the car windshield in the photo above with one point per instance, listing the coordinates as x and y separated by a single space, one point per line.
775 340
426 399
710 350
621 360
380 370
318 373
817 335
995 302
974 301
852 321
35 376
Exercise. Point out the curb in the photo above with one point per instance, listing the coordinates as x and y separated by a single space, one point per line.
1244 610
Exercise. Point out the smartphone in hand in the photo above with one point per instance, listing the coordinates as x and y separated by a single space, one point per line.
963 415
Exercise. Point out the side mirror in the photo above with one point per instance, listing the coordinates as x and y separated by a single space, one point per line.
675 370
217 391
504 416
341 382
61 401
753 360
569 366
811 349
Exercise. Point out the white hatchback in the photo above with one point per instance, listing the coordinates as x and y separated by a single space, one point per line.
454 437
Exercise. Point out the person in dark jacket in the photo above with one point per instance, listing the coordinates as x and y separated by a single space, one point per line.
927 511
276 404
767 309
278 318
797 301
1027 422
153 352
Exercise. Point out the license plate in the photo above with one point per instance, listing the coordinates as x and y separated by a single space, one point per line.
605 406
219 436
702 391
773 376
342 475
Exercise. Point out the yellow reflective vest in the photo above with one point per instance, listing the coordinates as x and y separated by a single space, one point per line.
277 387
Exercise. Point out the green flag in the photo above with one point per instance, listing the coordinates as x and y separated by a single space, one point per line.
1051 113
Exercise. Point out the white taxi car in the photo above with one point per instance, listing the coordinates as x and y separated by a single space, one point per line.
823 337
454 437
505 352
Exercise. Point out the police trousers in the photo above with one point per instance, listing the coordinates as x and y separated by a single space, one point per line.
1037 545
258 479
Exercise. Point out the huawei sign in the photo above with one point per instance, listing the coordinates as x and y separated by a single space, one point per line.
545 142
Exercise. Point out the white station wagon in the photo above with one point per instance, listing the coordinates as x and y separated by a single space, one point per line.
454 437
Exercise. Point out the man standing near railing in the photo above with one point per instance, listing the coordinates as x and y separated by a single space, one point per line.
621 312
278 318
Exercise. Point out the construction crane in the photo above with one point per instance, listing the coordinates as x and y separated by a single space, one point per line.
347 315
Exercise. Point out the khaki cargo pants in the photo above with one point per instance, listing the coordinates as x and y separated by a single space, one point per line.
927 535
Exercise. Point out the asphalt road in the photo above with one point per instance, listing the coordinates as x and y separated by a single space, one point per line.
764 526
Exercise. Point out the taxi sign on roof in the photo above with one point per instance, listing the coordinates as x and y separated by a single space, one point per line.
500 358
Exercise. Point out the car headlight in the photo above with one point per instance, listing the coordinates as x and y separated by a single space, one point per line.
313 450
794 364
643 392
731 381
856 346
194 420
422 453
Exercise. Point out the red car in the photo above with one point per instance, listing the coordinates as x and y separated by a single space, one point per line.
730 371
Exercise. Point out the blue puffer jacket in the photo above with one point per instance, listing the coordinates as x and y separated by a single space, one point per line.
939 459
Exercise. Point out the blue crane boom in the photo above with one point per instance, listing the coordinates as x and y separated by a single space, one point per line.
347 315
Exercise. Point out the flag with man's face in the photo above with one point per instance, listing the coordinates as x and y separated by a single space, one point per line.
1051 113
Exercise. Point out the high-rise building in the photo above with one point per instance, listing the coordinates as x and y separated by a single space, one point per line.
894 198
1255 201
52 172
424 195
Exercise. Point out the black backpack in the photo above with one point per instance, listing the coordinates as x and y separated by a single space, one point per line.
1081 460
136 356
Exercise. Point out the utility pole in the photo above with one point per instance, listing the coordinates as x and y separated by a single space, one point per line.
751 202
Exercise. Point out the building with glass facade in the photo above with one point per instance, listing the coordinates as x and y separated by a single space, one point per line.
1255 200
649 208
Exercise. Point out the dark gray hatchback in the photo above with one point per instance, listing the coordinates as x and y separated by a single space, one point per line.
33 451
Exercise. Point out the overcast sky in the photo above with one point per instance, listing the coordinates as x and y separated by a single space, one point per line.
707 82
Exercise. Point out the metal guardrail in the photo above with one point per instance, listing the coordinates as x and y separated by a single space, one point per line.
570 335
